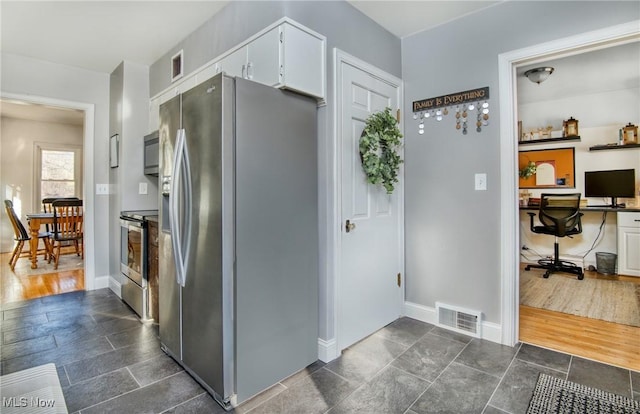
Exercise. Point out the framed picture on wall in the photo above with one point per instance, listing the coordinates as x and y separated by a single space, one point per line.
555 168
113 151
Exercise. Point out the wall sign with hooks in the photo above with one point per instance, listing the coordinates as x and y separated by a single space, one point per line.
467 105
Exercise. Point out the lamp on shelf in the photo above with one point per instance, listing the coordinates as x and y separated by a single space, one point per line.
570 128
538 75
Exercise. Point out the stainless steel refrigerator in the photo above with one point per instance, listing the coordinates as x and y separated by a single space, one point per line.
238 305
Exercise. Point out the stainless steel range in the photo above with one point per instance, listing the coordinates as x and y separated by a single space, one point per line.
133 260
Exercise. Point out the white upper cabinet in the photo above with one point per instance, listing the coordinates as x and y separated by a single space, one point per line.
285 55
302 60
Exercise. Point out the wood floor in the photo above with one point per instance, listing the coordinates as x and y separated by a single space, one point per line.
594 339
14 287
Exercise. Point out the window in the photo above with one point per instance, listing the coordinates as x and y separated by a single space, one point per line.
59 171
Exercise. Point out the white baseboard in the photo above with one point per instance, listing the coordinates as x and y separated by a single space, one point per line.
327 350
490 331
115 286
101 282
420 312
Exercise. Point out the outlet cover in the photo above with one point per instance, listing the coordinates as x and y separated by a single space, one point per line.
481 181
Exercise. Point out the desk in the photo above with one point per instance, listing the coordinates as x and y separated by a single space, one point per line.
35 221
595 209
624 239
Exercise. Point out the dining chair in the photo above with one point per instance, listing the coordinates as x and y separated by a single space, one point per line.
47 205
21 235
67 227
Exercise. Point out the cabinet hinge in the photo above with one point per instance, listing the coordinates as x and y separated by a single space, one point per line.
399 280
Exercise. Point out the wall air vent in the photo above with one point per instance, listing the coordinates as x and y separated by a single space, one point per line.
457 319
177 66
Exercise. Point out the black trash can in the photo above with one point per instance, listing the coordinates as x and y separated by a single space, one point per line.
606 263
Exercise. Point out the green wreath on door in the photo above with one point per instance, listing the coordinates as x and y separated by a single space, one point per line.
379 146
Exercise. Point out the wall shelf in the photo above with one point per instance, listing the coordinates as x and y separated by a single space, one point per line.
540 141
613 147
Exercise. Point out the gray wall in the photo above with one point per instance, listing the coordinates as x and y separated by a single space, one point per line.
129 118
452 231
345 28
28 76
17 165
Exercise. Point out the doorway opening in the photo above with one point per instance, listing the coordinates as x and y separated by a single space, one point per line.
510 65
43 142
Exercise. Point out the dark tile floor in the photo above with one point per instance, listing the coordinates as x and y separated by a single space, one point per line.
108 362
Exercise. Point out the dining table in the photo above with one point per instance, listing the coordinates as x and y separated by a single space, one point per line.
36 220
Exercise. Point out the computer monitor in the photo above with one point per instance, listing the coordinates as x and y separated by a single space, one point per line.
611 183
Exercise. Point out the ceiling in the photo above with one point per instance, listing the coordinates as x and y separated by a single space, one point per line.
98 35
41 113
404 18
597 71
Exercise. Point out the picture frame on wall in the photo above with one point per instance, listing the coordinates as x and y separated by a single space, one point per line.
113 151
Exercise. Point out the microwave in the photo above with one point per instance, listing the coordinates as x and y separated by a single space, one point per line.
151 153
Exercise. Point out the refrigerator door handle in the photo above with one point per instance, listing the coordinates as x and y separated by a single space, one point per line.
174 212
188 192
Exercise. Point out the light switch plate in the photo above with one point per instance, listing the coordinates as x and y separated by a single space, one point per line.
481 181
142 188
102 189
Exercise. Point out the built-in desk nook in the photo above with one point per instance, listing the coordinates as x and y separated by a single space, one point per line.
607 229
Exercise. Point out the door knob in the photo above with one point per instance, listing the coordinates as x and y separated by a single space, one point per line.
349 226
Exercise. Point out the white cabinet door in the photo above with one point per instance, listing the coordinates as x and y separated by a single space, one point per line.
284 57
235 64
303 61
629 244
263 64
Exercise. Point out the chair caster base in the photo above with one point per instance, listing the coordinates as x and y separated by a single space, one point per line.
556 266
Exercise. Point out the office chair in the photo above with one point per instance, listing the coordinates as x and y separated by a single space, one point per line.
559 215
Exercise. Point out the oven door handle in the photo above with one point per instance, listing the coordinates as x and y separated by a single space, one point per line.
131 224
180 213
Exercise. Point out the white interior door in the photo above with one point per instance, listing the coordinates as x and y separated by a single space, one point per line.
371 251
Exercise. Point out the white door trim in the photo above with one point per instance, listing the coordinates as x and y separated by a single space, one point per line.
87 175
334 213
509 216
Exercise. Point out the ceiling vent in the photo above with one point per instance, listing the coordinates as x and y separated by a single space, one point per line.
457 319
